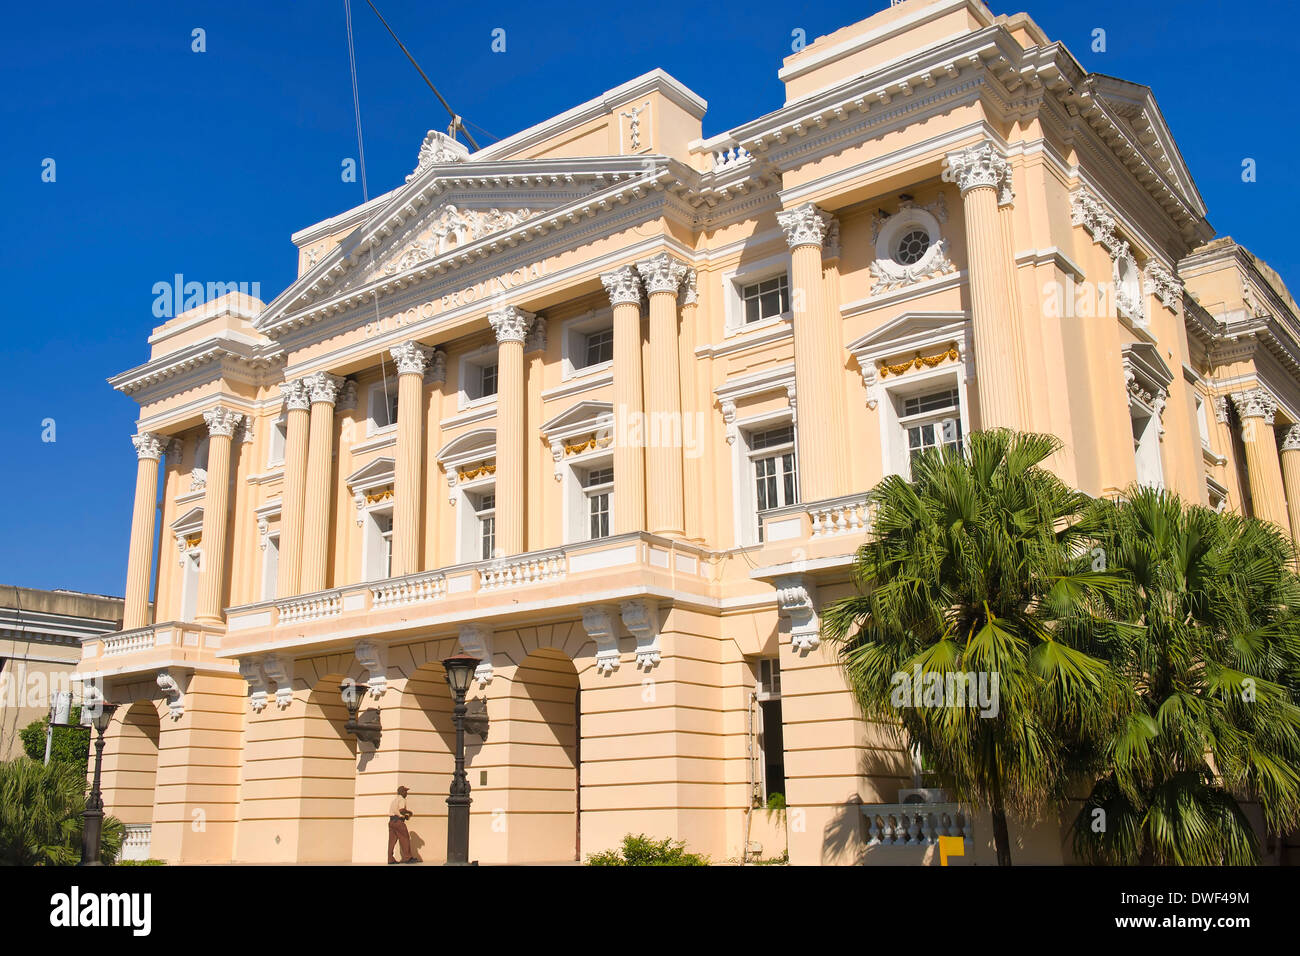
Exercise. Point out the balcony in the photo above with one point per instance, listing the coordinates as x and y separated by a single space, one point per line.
812 536
136 843
915 824
555 579
183 644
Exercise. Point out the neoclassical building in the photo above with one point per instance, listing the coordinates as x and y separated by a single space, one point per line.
600 404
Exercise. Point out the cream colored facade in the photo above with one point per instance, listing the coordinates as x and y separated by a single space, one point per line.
950 225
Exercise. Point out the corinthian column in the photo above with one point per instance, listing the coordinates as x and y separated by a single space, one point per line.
149 448
289 572
662 276
1256 409
408 484
1290 456
624 288
221 426
984 178
511 325
823 431
323 389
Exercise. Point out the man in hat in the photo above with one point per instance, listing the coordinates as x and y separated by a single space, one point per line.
397 832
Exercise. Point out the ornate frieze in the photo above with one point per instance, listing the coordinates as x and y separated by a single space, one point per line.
1164 285
641 617
511 324
661 273
804 225
453 227
222 421
150 445
623 285
598 622
411 358
979 166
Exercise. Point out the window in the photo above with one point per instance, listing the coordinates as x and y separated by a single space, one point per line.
270 566
485 510
912 247
192 562
1146 447
772 456
598 347
279 438
931 420
598 487
487 381
1202 423
767 299
383 406
379 544
770 743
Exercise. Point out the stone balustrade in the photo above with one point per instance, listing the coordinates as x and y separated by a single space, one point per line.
411 589
531 568
915 824
310 607
839 516
124 642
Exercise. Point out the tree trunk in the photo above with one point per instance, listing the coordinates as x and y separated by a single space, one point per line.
1001 838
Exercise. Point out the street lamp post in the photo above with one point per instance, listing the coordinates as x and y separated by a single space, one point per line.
92 826
460 671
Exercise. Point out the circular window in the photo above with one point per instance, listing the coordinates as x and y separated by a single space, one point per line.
912 247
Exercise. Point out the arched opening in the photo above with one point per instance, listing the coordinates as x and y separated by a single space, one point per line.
329 760
133 768
545 759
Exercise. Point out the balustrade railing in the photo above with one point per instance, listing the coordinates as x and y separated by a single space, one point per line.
412 589
312 607
915 824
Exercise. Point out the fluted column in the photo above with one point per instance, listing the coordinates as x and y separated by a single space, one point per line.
408 482
294 488
624 288
323 389
511 325
1290 457
822 432
1256 409
662 275
984 178
691 450
149 448
221 426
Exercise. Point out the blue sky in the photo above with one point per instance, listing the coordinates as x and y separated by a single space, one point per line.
204 163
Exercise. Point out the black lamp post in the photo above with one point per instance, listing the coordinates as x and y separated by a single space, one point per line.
460 671
353 693
92 819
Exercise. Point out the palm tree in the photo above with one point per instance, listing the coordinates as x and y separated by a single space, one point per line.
1214 658
40 815
979 564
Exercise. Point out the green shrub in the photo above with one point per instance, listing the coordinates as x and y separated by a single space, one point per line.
40 815
640 850
70 744
775 801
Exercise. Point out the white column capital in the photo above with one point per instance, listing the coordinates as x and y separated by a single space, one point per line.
323 387
805 225
511 324
981 165
295 394
1292 440
623 285
436 374
411 358
536 339
690 291
150 445
1255 403
661 273
222 421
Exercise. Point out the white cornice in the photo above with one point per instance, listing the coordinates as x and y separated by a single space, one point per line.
233 351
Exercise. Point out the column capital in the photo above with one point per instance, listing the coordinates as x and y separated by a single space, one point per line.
623 285
536 340
150 445
1255 403
981 165
295 394
323 387
222 421
690 291
511 324
661 273
411 358
1292 440
805 225
437 371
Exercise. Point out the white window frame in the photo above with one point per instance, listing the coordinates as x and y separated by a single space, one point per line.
577 495
270 564
375 401
377 545
736 280
744 478
573 344
469 534
472 365
754 455
906 422
279 441
896 453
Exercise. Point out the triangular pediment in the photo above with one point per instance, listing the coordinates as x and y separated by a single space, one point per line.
909 332
189 523
372 474
584 416
453 214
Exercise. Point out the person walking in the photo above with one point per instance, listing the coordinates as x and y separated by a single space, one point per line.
397 832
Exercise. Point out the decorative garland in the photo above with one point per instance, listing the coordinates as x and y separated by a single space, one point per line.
919 361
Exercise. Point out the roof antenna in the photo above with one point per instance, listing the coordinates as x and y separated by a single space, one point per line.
455 118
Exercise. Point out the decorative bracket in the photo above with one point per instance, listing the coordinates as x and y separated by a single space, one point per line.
280 671
252 672
794 599
476 639
598 621
175 698
373 656
641 617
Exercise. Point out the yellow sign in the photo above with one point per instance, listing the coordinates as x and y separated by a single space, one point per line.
950 846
